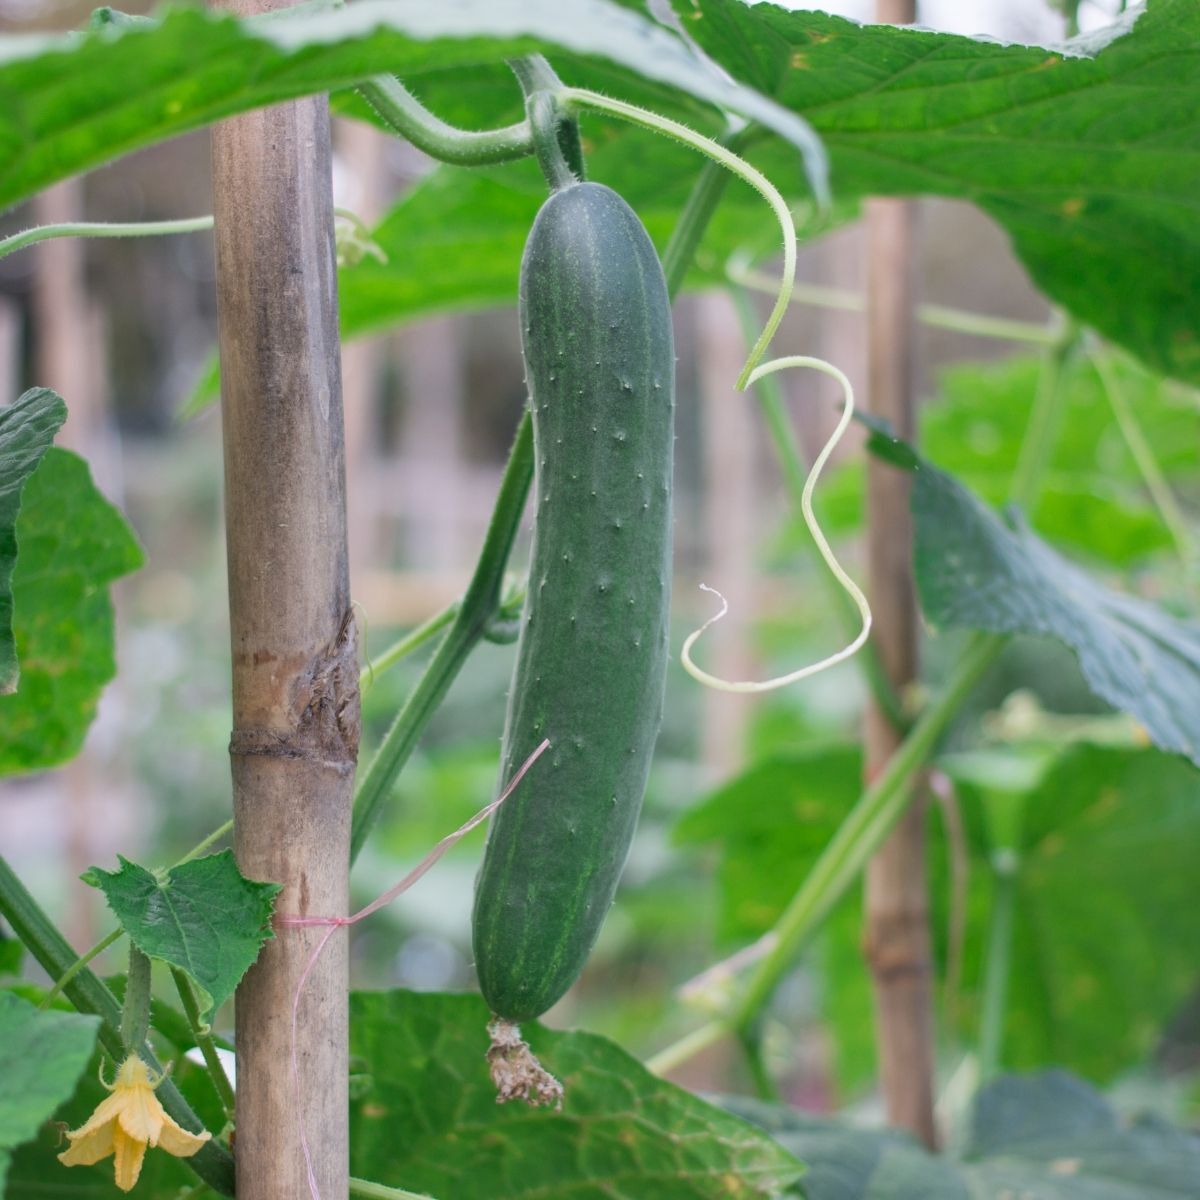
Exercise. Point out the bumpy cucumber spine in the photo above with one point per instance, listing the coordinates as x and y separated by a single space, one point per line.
591 663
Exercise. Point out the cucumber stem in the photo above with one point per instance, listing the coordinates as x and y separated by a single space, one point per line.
1041 432
543 116
535 74
1172 515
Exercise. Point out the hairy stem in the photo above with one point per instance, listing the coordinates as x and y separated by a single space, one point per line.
204 1041
101 229
409 118
535 74
543 116
408 644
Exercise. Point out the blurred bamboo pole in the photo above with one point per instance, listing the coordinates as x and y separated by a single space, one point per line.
897 939
364 149
294 643
431 444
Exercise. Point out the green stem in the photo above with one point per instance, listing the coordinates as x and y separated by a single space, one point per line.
408 644
101 229
479 605
203 1035
752 1048
535 74
212 1163
380 1191
857 838
78 965
408 117
1143 455
1041 432
795 475
997 968
544 117
203 846
936 316
863 830
135 1009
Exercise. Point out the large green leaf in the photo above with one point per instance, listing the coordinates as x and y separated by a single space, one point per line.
1048 1136
41 1057
1053 1135
428 1121
73 543
976 569
26 430
771 823
203 916
74 102
1090 164
1106 934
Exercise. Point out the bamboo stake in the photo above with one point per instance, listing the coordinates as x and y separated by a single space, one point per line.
295 670
897 939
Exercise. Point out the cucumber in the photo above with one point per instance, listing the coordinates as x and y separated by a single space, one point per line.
592 654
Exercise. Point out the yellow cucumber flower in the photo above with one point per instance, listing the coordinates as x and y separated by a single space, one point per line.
125 1123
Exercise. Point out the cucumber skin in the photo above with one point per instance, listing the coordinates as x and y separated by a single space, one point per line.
591 662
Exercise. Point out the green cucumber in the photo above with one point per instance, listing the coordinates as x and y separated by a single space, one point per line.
591 661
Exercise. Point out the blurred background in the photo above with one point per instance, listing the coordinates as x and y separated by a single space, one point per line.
125 329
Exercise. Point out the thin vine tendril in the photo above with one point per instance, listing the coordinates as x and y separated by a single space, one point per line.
836 569
754 369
